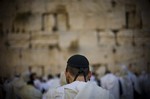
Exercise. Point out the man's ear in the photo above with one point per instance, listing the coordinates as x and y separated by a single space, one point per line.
89 75
66 74
68 77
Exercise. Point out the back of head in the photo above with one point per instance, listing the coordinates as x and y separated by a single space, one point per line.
78 65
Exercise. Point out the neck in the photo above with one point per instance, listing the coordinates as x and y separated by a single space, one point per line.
79 78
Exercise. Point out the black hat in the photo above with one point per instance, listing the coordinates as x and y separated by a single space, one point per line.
78 61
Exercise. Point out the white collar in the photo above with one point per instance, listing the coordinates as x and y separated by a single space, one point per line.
75 86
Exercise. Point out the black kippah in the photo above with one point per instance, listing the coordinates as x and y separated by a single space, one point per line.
78 61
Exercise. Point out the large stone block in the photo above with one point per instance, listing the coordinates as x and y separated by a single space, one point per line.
76 21
18 40
18 36
85 42
103 55
50 5
65 38
93 21
36 57
6 22
37 6
48 22
107 38
142 37
125 37
43 40
27 21
50 59
2 43
23 5
8 8
126 53
62 20
142 33
116 18
34 23
10 57
145 19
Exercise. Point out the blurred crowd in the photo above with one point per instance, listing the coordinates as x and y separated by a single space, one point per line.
125 84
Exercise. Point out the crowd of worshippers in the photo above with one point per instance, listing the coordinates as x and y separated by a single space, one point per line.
125 85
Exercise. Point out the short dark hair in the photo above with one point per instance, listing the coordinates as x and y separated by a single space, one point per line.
74 71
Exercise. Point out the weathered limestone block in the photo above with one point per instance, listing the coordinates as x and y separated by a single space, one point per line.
27 21
10 58
50 59
48 22
97 53
50 5
142 37
140 41
117 18
144 7
19 40
88 39
37 6
125 37
147 53
18 36
34 23
145 19
6 22
7 8
65 38
2 43
103 55
101 21
23 5
93 21
7 13
125 54
36 57
76 21
107 38
62 20
43 40
142 33
127 1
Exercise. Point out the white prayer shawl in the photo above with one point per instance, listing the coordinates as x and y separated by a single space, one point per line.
53 83
29 92
93 79
8 87
111 83
37 84
127 88
142 79
135 81
145 84
78 90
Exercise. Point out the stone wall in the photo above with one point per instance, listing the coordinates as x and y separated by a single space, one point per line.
44 33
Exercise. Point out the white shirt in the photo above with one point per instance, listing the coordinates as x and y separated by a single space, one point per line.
78 90
111 83
135 81
127 87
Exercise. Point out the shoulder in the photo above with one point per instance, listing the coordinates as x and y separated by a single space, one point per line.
92 91
54 92
93 86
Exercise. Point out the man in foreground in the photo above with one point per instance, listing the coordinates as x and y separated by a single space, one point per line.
77 76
